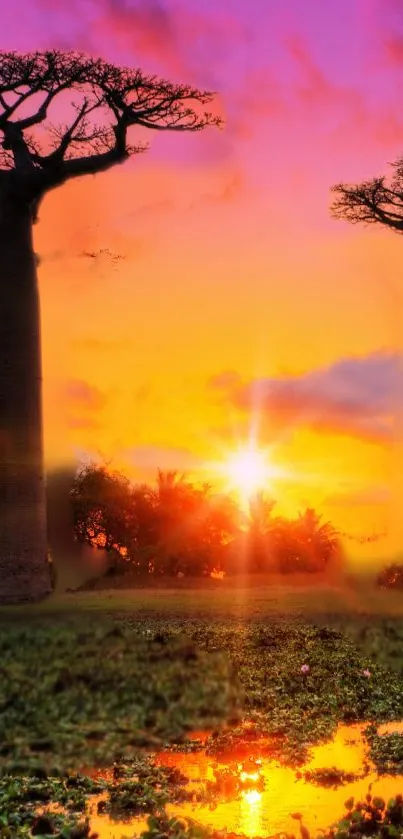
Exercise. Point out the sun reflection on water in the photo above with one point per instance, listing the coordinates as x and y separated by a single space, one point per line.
264 794
256 797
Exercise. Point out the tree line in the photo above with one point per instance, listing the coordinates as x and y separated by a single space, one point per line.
179 528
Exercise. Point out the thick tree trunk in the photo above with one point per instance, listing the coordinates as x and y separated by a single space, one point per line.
24 569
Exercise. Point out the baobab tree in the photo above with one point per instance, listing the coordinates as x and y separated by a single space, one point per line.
380 201
376 201
102 104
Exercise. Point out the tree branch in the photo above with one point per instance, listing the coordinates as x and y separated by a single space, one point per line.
41 113
130 98
59 170
372 202
15 142
66 138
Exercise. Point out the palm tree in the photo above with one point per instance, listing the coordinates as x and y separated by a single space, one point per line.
37 155
319 541
260 526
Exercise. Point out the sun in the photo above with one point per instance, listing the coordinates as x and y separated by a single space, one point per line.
249 470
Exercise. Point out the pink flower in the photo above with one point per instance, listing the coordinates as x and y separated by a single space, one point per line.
305 669
366 673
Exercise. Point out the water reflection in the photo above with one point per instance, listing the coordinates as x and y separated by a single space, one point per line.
274 792
257 796
107 829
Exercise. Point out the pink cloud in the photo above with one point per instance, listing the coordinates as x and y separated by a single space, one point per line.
351 116
314 87
83 423
353 397
257 97
80 393
173 37
144 461
394 50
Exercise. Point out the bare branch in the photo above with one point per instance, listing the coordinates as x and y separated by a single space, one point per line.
15 142
108 101
372 202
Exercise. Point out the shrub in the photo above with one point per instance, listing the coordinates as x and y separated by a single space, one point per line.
391 576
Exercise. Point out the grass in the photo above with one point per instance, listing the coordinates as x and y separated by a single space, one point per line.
92 678
75 693
263 598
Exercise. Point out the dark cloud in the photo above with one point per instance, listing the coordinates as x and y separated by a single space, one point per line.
354 397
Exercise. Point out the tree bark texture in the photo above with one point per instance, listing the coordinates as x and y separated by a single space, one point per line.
24 569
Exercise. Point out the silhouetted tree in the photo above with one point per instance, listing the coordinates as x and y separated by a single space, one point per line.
178 527
113 515
102 509
391 576
316 543
38 155
194 524
376 201
260 541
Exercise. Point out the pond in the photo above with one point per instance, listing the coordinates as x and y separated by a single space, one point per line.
254 796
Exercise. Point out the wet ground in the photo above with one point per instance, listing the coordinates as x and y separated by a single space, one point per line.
254 796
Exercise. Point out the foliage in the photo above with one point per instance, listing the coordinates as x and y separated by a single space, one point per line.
193 525
74 692
110 513
386 750
304 709
371 817
181 528
391 576
286 711
329 776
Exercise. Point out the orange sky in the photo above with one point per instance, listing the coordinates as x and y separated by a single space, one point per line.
231 263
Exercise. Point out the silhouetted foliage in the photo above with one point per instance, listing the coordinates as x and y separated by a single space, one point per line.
112 514
105 101
376 201
178 528
391 577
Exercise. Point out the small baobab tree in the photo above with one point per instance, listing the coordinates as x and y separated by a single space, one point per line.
101 105
379 201
375 201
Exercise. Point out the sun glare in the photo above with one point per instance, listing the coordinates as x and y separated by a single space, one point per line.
249 470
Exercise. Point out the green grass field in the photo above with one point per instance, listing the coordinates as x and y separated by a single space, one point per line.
92 678
263 597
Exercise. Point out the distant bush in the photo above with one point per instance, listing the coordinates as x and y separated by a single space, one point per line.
391 577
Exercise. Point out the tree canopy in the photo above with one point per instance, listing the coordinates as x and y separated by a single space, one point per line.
66 114
376 201
178 527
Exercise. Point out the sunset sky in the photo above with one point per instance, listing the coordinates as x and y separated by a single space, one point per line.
238 299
